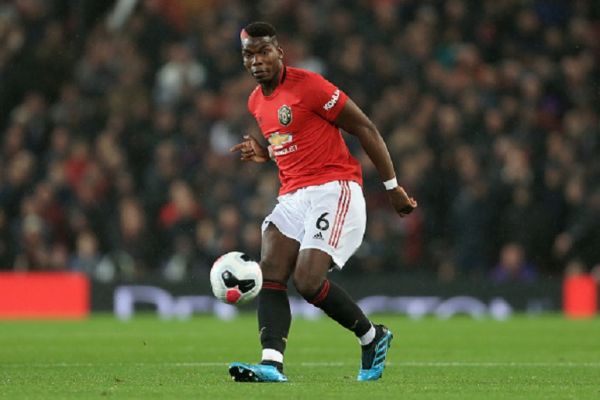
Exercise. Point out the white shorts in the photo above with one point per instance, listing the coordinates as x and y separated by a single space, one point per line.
329 217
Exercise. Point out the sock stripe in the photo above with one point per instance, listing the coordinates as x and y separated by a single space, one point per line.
274 285
322 293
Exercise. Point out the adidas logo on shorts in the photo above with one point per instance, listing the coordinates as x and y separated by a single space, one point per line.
318 235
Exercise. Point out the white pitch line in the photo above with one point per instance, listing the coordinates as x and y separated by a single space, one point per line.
494 364
434 364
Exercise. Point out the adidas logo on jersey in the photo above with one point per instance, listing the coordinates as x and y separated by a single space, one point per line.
318 235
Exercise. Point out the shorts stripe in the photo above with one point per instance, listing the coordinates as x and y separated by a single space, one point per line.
343 205
338 212
340 208
344 213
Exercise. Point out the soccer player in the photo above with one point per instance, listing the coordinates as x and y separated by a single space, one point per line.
319 220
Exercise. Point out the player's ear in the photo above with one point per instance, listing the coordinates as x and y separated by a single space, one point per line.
280 51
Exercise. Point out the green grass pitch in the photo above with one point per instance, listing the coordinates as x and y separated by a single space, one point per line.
545 357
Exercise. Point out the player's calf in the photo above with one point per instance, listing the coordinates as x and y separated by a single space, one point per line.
340 307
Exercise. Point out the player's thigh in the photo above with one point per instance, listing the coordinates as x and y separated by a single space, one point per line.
278 254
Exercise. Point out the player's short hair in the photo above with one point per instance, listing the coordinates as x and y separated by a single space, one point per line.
260 29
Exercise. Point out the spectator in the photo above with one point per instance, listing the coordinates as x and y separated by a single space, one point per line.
513 266
87 254
178 218
178 78
6 243
130 238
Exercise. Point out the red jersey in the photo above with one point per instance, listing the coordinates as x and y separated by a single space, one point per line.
298 121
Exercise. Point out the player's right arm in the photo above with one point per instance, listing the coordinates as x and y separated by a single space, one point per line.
251 150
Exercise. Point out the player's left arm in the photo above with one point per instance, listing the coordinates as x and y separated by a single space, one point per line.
355 122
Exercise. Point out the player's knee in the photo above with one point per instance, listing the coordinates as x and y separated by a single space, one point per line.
306 284
273 272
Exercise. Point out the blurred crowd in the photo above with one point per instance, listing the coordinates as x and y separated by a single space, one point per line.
116 118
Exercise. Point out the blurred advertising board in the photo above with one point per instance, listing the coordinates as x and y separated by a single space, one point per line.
38 295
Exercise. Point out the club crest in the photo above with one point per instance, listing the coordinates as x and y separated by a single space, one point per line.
285 115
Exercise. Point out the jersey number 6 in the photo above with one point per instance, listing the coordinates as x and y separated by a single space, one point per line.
322 222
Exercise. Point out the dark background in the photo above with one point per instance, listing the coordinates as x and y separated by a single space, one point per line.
114 136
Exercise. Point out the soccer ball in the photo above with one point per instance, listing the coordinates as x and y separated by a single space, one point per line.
235 278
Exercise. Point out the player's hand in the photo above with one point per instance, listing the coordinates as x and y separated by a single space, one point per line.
251 150
403 204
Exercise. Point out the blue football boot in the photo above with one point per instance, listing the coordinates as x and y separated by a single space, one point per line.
374 354
241 372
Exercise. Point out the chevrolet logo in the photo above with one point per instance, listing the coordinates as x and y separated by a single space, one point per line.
279 139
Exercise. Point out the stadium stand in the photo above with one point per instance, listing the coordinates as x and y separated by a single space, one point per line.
115 125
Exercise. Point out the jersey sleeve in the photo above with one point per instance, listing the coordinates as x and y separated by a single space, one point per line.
323 97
